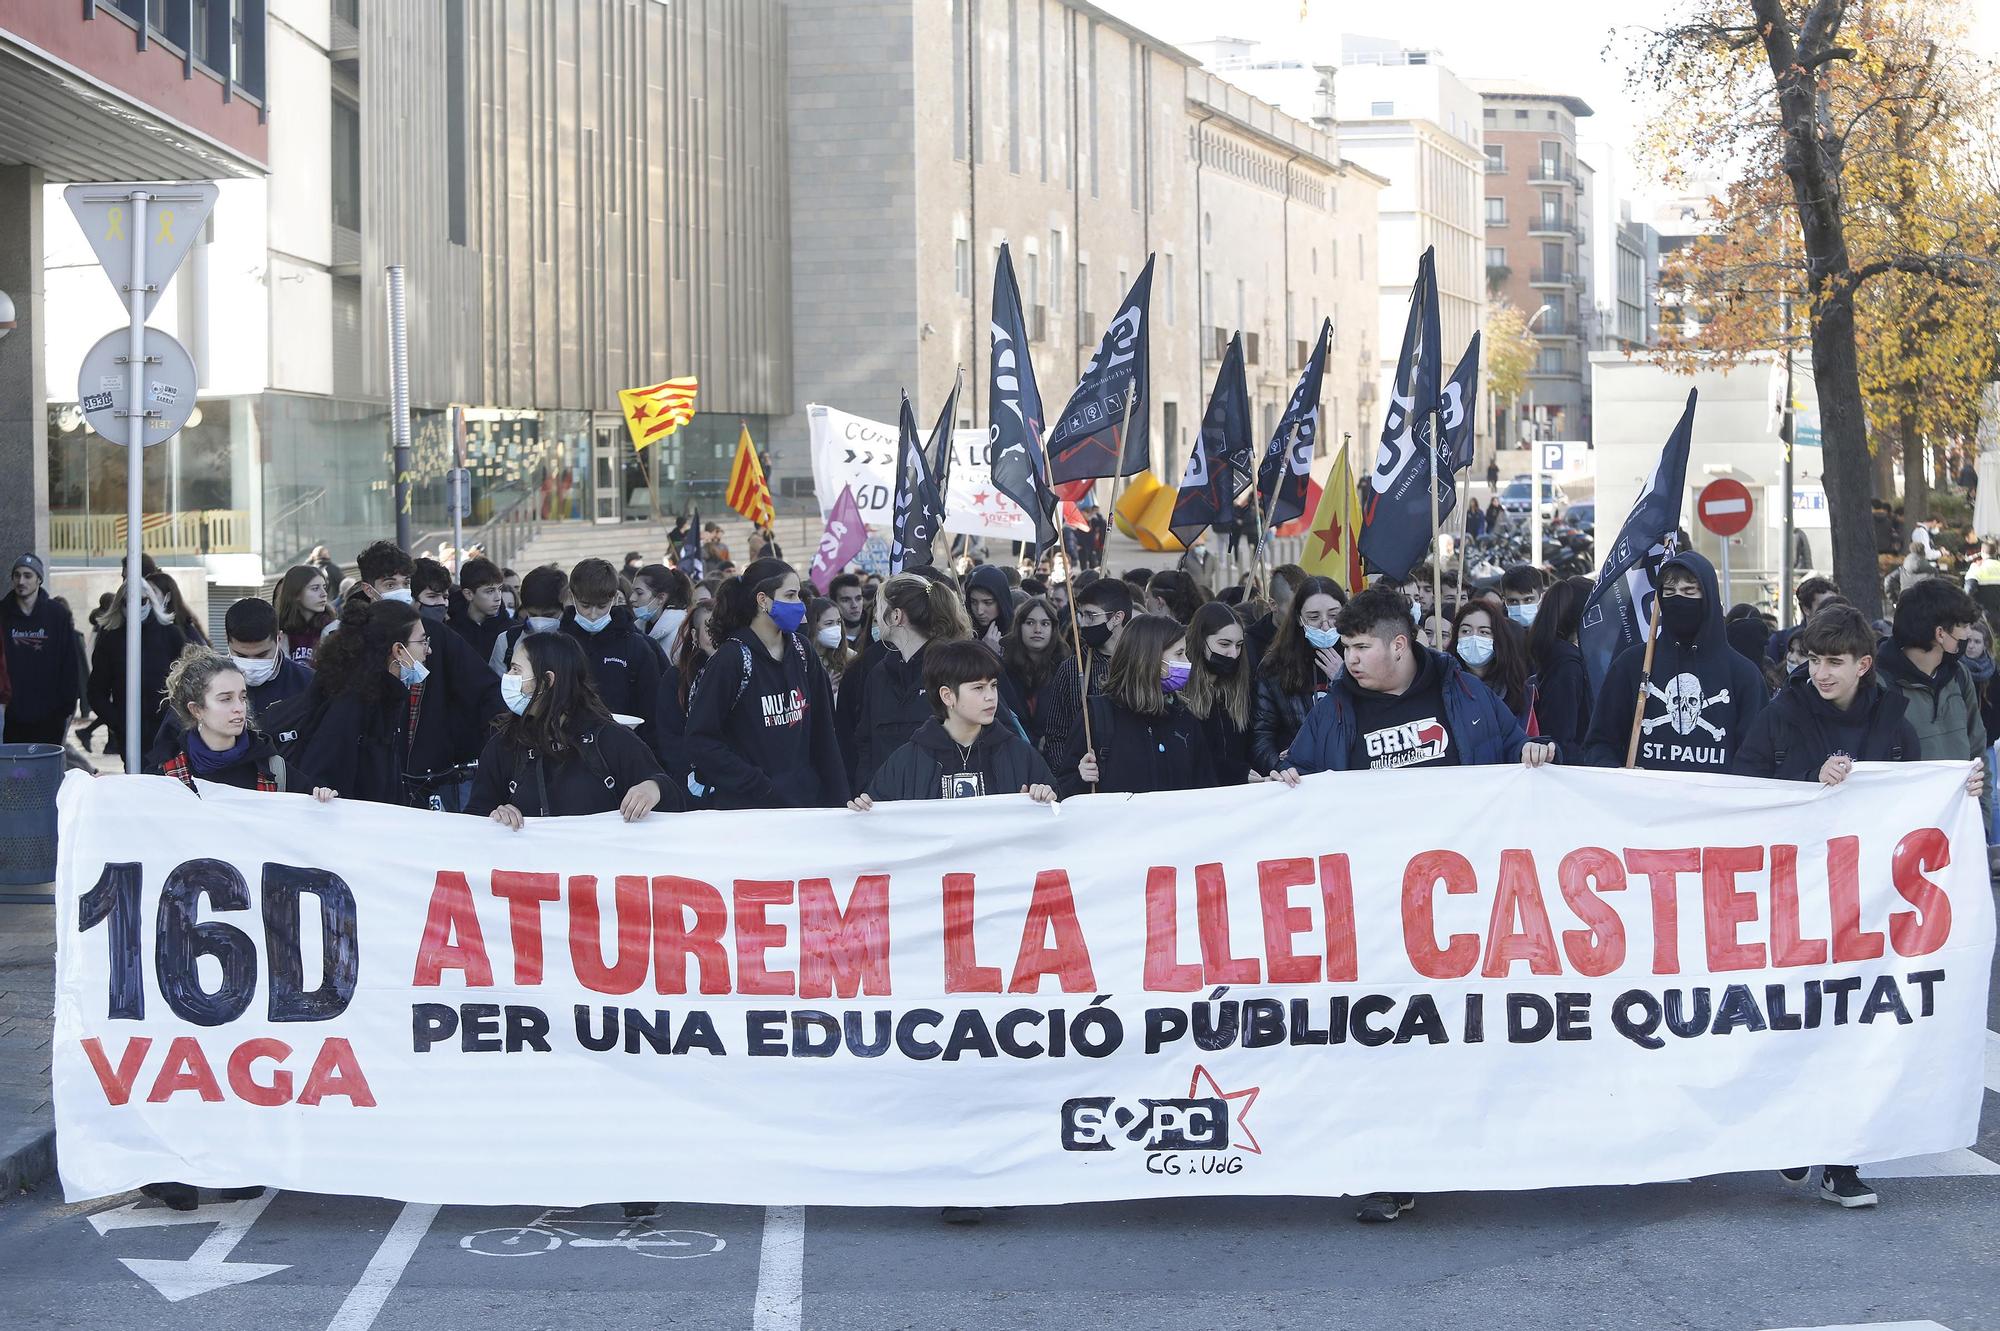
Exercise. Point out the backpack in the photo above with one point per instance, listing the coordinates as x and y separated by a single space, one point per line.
292 722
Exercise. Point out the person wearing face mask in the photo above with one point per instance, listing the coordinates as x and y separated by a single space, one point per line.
544 593
558 753
160 645
430 586
1495 653
214 732
1218 691
1102 610
830 641
853 598
480 613
372 719
624 663
911 611
1920 659
1702 696
1031 654
1143 736
676 683
660 600
1521 592
1302 663
273 679
760 718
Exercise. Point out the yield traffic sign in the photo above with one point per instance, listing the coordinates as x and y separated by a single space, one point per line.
1724 506
176 211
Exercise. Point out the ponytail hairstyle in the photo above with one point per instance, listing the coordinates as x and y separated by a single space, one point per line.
931 606
189 677
736 598
356 659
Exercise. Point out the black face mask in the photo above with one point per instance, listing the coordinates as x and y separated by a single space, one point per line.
433 613
1094 636
1224 666
1683 616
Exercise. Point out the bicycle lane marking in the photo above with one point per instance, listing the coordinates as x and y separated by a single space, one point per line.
781 1270
385 1269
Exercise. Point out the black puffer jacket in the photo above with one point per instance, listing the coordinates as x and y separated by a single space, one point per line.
1003 760
160 645
609 760
1275 718
1792 738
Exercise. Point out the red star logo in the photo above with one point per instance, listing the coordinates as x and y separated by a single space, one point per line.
640 413
1329 536
1248 1096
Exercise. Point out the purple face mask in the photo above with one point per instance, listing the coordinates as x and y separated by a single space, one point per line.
1176 677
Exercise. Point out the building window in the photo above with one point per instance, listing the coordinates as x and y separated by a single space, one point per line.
1521 117
1496 212
961 266
1552 209
346 165
1207 313
1381 108
1055 272
1550 361
1315 261
1491 116
1333 258
1170 421
1496 157
1032 269
1496 256
1241 305
1333 328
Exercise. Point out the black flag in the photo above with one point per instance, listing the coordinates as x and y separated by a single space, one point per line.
1092 438
1014 436
1396 512
940 446
1456 404
1287 464
919 509
1219 467
1620 606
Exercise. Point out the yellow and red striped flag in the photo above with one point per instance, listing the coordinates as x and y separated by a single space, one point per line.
652 414
748 493
1333 543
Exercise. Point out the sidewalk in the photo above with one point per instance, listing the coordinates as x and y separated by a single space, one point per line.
27 1002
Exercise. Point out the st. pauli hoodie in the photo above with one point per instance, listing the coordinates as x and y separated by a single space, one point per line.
1700 700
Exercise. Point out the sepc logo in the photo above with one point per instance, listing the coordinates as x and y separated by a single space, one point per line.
1207 1118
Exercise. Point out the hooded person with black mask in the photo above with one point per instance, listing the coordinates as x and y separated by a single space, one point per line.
989 600
1702 695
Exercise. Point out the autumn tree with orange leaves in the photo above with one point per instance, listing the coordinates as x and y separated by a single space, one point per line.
1863 195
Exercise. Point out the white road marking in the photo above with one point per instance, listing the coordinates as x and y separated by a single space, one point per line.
1876 1326
208 1267
1945 1164
364 1302
1992 1061
781 1270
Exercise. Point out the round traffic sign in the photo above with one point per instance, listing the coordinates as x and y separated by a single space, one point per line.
1724 506
104 386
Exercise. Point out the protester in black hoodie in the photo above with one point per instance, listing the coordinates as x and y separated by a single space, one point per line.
760 718
1561 702
1833 713
1702 695
160 645
251 630
624 664
989 602
912 612
559 753
1143 738
39 641
961 751
479 615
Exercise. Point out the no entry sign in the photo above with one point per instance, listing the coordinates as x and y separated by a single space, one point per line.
1724 506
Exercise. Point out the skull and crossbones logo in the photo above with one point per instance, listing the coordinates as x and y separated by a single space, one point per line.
1684 703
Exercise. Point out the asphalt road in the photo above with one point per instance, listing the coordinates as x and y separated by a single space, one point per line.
1743 1252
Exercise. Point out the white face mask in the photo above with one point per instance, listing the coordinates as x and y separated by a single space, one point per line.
256 671
400 594
543 624
514 694
829 637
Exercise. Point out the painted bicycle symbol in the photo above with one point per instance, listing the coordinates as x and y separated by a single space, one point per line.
556 1226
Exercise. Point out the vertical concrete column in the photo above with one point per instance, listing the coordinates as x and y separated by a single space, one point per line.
24 430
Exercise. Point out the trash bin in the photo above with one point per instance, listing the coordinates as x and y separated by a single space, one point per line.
29 775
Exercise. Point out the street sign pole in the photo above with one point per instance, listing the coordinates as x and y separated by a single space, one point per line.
135 472
399 401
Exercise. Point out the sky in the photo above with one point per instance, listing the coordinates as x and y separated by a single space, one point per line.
1559 44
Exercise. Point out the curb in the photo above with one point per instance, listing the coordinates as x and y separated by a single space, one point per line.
26 1158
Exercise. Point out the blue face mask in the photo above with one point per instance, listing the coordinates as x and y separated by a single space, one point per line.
597 625
788 615
646 614
1474 650
1524 615
1323 638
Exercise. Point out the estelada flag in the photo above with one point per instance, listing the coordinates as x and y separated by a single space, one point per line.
654 413
748 493
1332 542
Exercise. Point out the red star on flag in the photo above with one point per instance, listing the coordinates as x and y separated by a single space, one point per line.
1248 1096
980 498
641 412
1328 536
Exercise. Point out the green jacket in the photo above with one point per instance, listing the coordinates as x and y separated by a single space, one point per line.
1943 710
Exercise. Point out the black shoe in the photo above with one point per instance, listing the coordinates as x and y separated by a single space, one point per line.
238 1194
174 1196
640 1210
962 1215
1798 1175
1380 1208
1842 1185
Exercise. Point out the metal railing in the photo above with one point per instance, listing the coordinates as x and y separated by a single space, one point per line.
209 531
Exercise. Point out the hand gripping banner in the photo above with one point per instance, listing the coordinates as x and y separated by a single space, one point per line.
1501 978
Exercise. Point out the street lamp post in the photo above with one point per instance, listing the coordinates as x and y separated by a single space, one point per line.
1534 463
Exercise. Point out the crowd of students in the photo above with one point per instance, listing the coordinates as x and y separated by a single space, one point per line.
645 690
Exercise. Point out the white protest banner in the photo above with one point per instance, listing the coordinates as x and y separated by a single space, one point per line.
973 505
1441 979
853 452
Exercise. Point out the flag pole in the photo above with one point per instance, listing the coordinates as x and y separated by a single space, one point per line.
1124 428
1645 683
1437 553
1075 635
